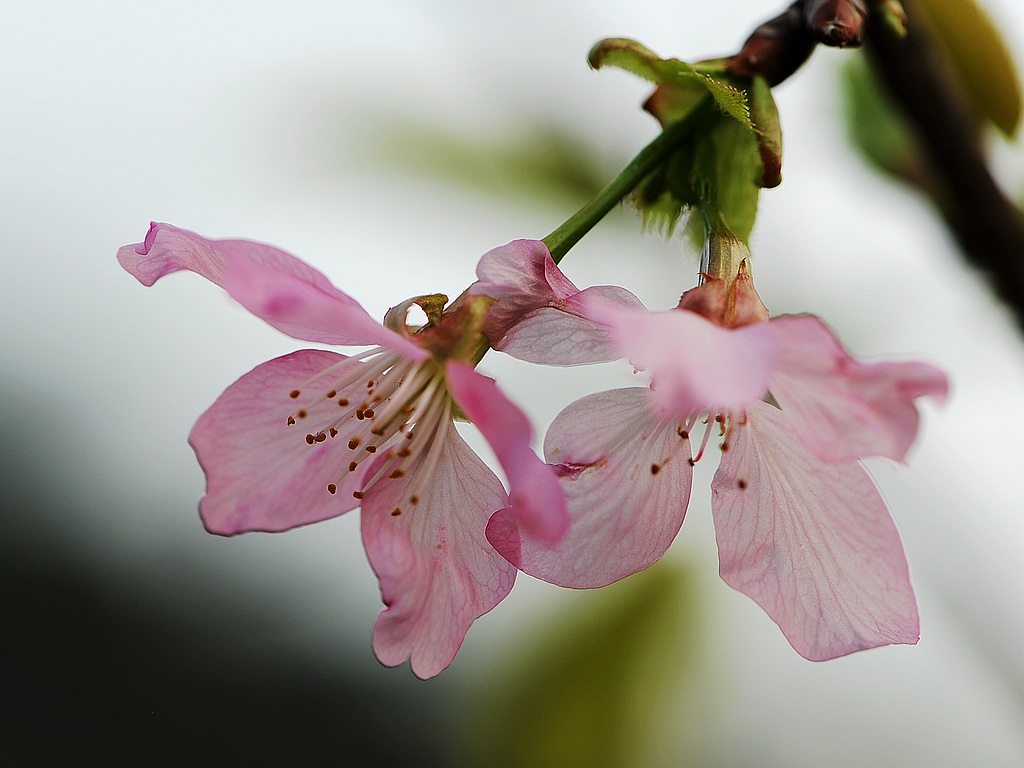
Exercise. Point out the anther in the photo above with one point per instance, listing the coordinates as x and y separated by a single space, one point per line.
291 421
397 474
368 413
310 439
683 433
294 394
332 394
352 466
353 443
334 432
357 494
301 414
655 469
371 449
741 484
414 499
320 437
342 401
332 488
396 512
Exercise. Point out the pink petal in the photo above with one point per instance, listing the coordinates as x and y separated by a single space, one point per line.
273 284
261 474
539 316
521 272
437 572
694 364
168 249
841 408
306 309
561 334
536 499
812 543
626 476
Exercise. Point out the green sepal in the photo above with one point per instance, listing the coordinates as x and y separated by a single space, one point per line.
432 305
768 128
717 172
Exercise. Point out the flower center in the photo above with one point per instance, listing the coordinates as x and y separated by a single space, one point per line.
388 410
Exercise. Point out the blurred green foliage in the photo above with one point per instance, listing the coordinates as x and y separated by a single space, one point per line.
980 58
603 687
540 162
877 129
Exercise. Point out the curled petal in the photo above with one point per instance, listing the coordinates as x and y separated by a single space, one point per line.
626 475
261 473
437 572
535 498
694 363
270 283
521 274
540 315
844 409
812 543
168 249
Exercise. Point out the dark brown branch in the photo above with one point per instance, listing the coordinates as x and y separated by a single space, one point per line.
989 229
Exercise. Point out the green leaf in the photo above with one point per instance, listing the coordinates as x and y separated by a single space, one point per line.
733 150
602 688
980 57
642 61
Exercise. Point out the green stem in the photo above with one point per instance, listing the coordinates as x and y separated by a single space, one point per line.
650 157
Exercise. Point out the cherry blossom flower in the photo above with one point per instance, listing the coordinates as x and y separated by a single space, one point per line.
313 434
800 525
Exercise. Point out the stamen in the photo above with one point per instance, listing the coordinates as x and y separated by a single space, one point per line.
709 422
743 476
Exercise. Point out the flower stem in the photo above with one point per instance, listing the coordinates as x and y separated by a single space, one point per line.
650 157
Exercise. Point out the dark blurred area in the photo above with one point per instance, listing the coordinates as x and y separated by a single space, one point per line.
98 671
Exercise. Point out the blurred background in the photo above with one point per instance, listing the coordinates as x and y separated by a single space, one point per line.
390 144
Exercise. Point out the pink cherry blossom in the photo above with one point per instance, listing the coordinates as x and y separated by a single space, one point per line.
313 434
801 527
